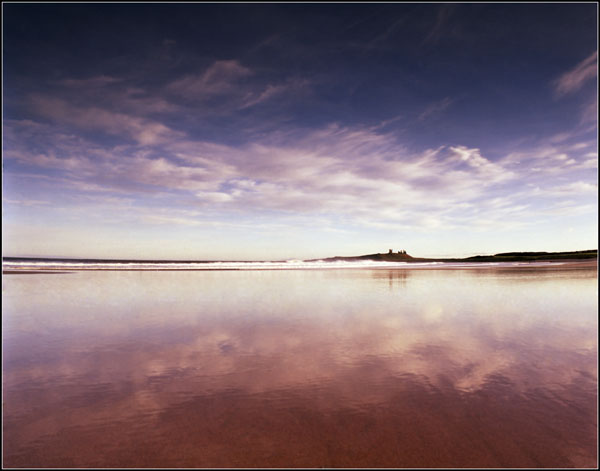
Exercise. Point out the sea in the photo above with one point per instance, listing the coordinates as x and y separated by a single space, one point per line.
158 364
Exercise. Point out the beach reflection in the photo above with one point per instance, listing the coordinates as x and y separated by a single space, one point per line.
344 368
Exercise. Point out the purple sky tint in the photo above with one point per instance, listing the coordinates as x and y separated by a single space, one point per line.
253 131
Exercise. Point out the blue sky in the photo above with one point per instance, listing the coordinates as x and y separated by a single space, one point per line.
270 131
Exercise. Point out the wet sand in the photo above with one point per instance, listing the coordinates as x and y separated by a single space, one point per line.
357 368
415 427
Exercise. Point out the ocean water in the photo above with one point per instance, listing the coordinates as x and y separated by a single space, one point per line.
355 367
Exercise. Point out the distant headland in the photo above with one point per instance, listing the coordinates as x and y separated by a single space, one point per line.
402 256
390 256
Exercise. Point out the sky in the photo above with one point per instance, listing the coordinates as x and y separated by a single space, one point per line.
254 131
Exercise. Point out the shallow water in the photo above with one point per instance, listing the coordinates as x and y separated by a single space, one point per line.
315 368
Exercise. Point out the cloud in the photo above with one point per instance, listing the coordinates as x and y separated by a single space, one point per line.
271 91
435 109
589 113
474 159
388 33
574 79
221 77
140 103
26 202
576 188
554 155
93 82
124 97
144 131
355 175
268 93
440 27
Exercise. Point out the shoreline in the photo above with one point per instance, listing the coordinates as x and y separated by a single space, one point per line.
542 264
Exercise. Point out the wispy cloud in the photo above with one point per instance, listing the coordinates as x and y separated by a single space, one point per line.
143 131
435 109
219 78
440 26
358 175
26 202
354 173
113 94
337 177
385 35
577 188
94 82
556 155
589 113
271 91
574 79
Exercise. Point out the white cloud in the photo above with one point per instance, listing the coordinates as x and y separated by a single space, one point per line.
553 156
215 196
576 188
355 175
